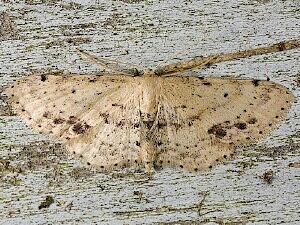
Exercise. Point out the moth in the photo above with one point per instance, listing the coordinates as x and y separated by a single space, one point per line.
154 118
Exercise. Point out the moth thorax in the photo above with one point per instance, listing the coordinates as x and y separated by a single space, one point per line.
149 98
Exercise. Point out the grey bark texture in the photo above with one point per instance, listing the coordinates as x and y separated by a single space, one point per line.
41 184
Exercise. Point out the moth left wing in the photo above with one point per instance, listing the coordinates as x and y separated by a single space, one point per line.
55 104
97 116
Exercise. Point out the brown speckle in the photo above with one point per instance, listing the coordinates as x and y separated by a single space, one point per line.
252 120
255 82
47 202
80 128
241 126
268 176
217 130
206 83
58 121
43 77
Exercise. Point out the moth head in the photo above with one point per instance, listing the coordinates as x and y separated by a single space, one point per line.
149 73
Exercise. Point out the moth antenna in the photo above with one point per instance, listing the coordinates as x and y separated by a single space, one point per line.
103 64
201 61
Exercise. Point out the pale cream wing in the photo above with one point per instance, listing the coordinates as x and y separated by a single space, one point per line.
114 142
97 116
55 104
203 119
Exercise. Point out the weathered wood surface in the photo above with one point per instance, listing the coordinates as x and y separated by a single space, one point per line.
42 35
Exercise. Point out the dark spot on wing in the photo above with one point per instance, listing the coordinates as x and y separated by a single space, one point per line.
206 83
217 130
43 77
241 126
255 82
148 124
72 120
80 128
46 114
58 121
252 120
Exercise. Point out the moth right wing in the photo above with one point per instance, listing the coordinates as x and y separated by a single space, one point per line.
203 119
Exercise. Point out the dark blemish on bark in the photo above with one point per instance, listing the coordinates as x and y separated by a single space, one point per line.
102 167
80 128
276 117
88 163
190 124
225 95
260 132
268 78
74 152
159 143
255 82
241 126
23 110
270 124
210 167
73 91
43 78
177 144
238 117
47 202
195 169
181 166
224 156
183 106
217 130
58 121
92 80
268 176
282 108
245 110
137 143
252 120
46 114
136 125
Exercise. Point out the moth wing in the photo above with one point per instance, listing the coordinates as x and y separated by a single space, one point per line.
203 119
91 113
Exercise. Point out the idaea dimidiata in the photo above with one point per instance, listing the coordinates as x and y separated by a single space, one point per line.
117 120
